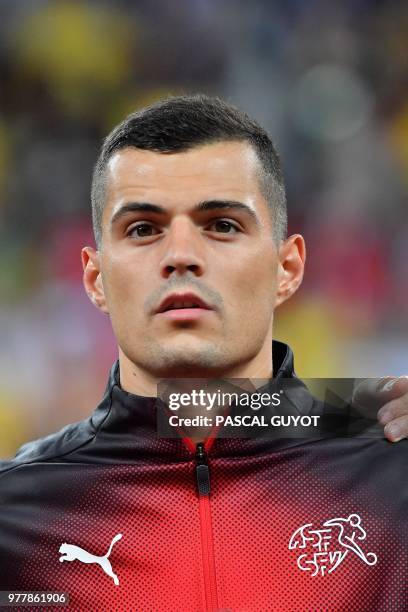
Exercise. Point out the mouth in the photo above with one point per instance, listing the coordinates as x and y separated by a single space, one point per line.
183 307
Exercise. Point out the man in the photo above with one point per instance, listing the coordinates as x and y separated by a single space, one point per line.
192 259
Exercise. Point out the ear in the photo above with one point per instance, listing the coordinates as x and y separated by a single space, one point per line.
92 278
292 257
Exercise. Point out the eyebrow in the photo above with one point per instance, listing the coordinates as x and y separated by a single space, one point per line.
201 207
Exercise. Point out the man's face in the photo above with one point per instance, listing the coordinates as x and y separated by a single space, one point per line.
193 227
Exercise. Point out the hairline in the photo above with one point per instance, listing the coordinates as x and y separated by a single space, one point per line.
270 187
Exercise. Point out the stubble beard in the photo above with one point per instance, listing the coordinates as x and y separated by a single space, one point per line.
161 361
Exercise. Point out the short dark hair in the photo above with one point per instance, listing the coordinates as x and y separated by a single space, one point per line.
180 123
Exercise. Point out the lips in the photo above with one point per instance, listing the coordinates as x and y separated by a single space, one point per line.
180 301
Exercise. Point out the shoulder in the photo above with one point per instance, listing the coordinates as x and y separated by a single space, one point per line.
65 443
49 448
59 445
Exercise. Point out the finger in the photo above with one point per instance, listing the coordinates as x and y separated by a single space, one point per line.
397 429
376 392
394 409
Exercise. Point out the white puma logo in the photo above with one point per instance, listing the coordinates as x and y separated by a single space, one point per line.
73 552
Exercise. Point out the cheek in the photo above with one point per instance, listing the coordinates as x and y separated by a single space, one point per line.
123 287
257 274
254 286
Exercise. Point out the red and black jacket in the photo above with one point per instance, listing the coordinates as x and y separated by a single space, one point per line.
288 524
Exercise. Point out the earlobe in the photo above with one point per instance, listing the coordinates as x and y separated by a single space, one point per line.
292 256
92 278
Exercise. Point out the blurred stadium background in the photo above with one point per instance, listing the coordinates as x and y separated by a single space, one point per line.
330 82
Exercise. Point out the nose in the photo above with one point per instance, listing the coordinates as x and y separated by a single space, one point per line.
183 250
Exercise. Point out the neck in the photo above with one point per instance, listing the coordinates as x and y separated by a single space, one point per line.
139 381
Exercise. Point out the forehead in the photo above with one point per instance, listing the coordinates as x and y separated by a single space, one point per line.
223 169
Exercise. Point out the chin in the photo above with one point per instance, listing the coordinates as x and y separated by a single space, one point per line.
190 359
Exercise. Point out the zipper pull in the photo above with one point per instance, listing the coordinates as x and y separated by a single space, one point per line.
202 470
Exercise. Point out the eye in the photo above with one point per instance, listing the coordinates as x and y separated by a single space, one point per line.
142 230
223 226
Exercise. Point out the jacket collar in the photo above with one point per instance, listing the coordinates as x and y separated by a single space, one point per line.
283 360
134 417
283 367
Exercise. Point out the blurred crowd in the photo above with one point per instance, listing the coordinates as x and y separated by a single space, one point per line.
328 79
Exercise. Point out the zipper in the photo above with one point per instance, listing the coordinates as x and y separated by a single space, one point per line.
202 471
207 547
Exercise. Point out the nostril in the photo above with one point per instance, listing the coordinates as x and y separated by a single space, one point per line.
193 267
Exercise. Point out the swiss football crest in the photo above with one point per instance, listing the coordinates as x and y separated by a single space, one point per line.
323 548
